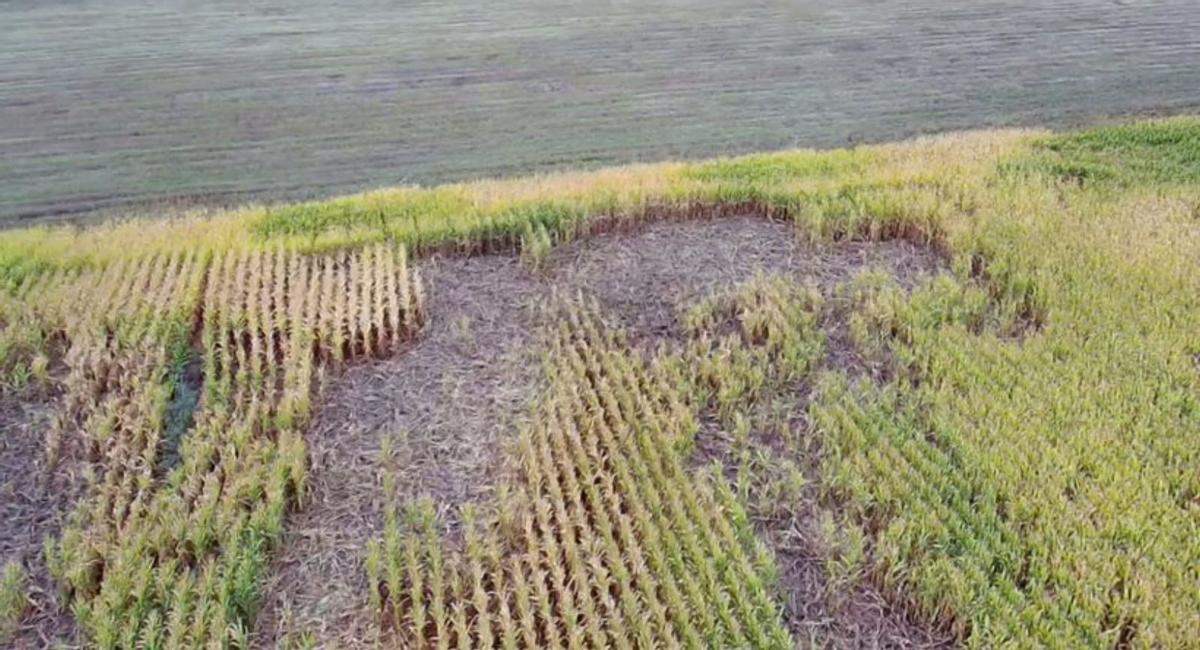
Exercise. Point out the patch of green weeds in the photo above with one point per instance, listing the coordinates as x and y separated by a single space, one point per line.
1145 153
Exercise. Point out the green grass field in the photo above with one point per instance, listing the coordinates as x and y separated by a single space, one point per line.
1001 446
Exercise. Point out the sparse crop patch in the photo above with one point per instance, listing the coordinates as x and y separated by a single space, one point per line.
13 601
603 541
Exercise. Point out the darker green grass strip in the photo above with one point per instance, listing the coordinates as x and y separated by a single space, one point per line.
1159 152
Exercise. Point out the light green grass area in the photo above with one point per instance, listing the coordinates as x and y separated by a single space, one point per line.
1026 475
13 601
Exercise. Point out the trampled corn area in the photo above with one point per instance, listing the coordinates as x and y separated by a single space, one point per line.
996 448
614 544
169 542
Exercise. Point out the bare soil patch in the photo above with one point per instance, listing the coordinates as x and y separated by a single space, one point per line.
450 403
447 404
645 277
33 505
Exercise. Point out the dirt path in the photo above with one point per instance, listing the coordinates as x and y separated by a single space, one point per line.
451 403
109 105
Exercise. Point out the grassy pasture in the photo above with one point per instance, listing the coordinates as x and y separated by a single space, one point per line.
129 104
1020 468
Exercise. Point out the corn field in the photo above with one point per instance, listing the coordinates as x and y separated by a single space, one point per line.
606 541
1006 447
168 547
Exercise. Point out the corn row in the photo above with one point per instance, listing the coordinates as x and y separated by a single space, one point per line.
170 554
615 545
